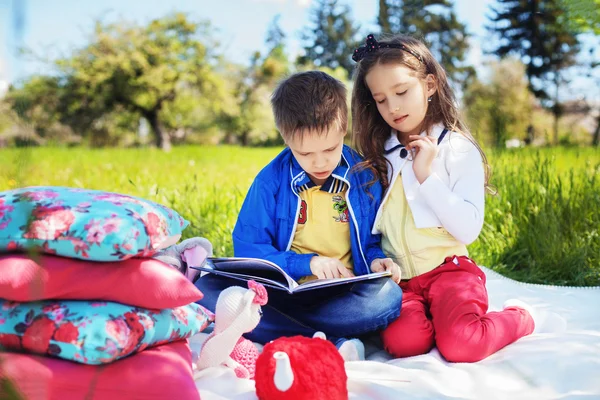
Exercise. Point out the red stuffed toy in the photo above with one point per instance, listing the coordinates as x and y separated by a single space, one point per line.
300 368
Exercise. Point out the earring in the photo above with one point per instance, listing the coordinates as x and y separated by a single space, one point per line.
429 99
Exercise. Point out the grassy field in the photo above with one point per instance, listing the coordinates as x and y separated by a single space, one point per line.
542 226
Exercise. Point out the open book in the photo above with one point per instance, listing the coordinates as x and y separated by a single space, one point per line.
270 274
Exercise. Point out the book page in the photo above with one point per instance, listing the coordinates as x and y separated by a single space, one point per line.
339 281
253 267
243 277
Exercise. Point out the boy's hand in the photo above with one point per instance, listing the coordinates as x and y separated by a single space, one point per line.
425 150
328 268
387 264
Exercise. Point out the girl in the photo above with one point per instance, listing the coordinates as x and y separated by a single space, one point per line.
406 124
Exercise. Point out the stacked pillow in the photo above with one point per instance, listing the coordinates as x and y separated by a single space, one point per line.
85 224
78 290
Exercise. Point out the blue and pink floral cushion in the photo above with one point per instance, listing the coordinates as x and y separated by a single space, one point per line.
85 224
94 332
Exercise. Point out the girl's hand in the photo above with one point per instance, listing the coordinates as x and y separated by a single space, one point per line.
425 150
387 264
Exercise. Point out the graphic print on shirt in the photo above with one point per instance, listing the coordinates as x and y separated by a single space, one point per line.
339 205
302 214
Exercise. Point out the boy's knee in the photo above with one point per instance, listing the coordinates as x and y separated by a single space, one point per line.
386 306
389 295
395 293
377 299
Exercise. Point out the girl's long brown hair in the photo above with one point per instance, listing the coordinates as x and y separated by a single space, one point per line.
369 129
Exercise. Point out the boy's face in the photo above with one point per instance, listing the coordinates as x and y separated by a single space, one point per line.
318 153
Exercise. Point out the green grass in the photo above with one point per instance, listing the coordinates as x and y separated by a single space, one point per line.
542 226
205 184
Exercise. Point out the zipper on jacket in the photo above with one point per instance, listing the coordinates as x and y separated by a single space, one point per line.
291 239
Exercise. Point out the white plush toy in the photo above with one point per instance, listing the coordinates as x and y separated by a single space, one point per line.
238 311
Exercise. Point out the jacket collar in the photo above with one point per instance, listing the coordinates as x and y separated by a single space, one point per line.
301 181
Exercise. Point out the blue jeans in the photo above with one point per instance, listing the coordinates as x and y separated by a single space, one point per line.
341 312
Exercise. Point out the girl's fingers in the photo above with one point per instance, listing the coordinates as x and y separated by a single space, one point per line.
417 143
432 139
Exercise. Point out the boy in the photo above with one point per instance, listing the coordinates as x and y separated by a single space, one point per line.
308 211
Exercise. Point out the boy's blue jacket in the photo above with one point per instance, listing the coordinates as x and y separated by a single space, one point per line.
267 220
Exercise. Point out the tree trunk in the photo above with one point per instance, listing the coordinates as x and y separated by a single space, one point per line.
556 110
556 116
596 139
244 137
383 17
162 138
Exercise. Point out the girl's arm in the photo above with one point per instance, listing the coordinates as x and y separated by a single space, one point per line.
460 206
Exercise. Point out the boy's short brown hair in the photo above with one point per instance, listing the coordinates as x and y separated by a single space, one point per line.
310 100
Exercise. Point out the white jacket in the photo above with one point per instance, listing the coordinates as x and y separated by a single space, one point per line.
453 196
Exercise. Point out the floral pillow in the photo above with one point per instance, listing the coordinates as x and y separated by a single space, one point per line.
86 224
94 332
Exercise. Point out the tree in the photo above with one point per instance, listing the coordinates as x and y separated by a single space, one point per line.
142 70
383 18
596 136
500 108
35 103
6 122
436 23
332 38
250 121
584 16
533 30
275 35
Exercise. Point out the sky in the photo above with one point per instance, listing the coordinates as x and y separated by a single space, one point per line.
52 27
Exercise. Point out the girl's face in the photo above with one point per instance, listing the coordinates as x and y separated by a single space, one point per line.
400 96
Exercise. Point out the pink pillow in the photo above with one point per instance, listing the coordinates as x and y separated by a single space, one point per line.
138 282
163 372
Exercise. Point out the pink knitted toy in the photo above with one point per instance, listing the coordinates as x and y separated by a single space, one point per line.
237 312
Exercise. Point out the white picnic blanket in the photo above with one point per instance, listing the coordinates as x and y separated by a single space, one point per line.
563 362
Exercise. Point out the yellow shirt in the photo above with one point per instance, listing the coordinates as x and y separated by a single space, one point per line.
323 226
417 251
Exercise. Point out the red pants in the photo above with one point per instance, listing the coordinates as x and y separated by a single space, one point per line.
448 307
